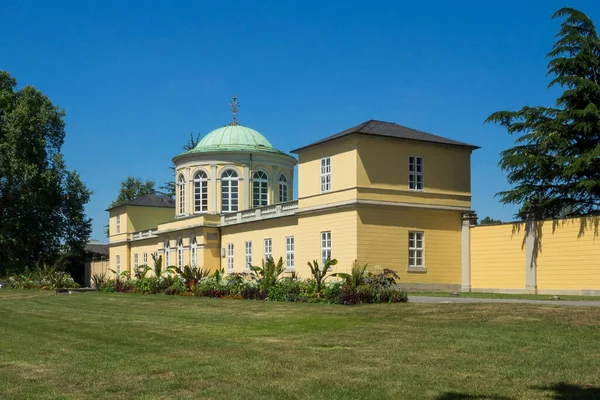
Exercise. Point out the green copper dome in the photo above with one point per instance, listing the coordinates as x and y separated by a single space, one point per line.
234 138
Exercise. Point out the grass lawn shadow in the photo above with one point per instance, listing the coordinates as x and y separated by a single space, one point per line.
567 391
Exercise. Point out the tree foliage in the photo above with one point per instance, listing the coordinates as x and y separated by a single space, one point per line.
555 165
168 188
489 221
132 188
41 201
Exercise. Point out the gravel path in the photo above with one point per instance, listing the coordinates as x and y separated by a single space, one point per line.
471 300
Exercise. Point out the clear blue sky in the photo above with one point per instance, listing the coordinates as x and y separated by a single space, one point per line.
136 78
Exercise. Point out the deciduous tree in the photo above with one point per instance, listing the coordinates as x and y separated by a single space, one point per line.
41 201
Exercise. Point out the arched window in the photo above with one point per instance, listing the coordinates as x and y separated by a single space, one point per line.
181 189
200 192
167 254
180 254
194 252
229 191
260 186
283 188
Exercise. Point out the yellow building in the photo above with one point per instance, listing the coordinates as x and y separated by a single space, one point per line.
379 193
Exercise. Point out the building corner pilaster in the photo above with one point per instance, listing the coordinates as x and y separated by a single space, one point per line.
469 219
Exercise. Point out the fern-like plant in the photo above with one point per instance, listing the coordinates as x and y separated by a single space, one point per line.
320 274
192 275
356 277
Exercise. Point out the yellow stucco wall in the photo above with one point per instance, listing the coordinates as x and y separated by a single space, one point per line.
568 260
122 251
498 257
343 168
383 241
382 171
276 229
342 223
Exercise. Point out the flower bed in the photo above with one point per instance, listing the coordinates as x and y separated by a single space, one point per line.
268 282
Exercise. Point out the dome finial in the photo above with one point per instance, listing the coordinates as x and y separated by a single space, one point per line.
234 109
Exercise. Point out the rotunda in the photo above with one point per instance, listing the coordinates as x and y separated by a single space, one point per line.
231 169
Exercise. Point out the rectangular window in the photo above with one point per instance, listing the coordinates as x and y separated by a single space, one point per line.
415 249
156 255
118 229
230 257
135 262
145 258
415 173
180 256
248 255
289 253
268 249
325 246
118 265
325 175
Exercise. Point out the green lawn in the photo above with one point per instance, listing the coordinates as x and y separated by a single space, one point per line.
507 296
120 346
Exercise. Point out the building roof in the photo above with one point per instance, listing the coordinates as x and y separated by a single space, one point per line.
149 200
97 248
391 130
234 137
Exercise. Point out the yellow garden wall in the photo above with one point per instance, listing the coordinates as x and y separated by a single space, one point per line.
383 241
569 255
498 257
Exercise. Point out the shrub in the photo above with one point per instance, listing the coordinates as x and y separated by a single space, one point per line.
285 290
148 285
176 287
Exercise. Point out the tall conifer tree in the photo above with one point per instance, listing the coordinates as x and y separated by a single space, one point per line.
555 164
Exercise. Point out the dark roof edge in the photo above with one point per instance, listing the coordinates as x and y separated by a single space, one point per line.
138 205
326 140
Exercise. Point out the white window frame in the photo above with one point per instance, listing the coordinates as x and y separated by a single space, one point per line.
416 173
414 237
118 265
268 248
260 189
194 252
167 259
135 262
200 192
229 257
325 174
181 192
325 246
145 258
283 189
180 254
229 182
118 223
289 253
248 246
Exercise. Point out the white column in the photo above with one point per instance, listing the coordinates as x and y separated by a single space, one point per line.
213 189
531 254
246 180
469 220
